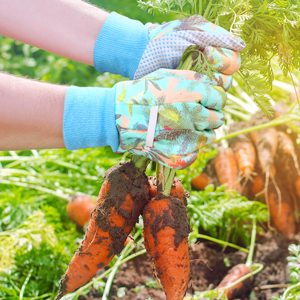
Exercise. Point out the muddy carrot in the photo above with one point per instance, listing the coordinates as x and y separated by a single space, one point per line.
258 184
286 144
226 169
233 284
245 157
297 185
233 275
121 200
282 215
80 208
166 230
266 141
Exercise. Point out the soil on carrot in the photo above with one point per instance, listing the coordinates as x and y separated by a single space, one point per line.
126 182
208 269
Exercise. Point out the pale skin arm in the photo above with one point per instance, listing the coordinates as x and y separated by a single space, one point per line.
31 114
65 27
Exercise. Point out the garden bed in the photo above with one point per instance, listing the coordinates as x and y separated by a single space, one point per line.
207 270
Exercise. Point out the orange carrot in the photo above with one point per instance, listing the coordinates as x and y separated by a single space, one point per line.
200 182
258 184
233 275
245 157
226 169
266 141
121 200
286 145
208 176
297 185
80 208
166 230
282 215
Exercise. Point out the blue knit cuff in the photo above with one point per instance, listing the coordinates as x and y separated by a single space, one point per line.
89 118
120 45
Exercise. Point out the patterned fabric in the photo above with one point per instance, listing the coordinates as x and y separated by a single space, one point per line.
189 107
167 42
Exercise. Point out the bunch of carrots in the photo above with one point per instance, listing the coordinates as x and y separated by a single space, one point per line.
126 194
264 163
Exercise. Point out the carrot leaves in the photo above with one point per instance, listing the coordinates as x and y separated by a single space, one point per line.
271 30
225 215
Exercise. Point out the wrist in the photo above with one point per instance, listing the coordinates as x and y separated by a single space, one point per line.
89 118
120 45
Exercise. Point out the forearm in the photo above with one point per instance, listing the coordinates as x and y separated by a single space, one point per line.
66 27
31 114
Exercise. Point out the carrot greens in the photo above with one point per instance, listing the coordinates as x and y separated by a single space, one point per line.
270 29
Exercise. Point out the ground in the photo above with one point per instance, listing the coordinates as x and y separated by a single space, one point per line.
208 268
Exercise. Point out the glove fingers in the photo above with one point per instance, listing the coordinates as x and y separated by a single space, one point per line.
219 79
177 162
167 86
198 31
188 116
179 154
224 60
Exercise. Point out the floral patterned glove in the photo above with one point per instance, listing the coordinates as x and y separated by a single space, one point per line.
129 48
169 115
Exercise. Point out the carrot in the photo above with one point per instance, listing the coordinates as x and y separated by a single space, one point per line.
258 184
282 215
80 208
166 230
226 169
200 182
245 156
233 275
286 144
208 176
121 200
177 189
266 141
297 185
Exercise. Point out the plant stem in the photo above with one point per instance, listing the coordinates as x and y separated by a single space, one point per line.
252 245
278 121
257 268
116 267
284 296
207 10
140 162
200 7
107 272
25 283
169 181
224 243
36 187
160 179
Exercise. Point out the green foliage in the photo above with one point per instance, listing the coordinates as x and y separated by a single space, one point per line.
225 215
269 28
293 291
294 263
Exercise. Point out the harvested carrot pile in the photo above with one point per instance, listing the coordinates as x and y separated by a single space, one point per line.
267 170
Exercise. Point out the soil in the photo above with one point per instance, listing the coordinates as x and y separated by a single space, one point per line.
208 269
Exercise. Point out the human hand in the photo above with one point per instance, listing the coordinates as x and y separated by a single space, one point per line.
187 106
134 50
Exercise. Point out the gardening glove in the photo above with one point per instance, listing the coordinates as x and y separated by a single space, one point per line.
166 116
129 48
